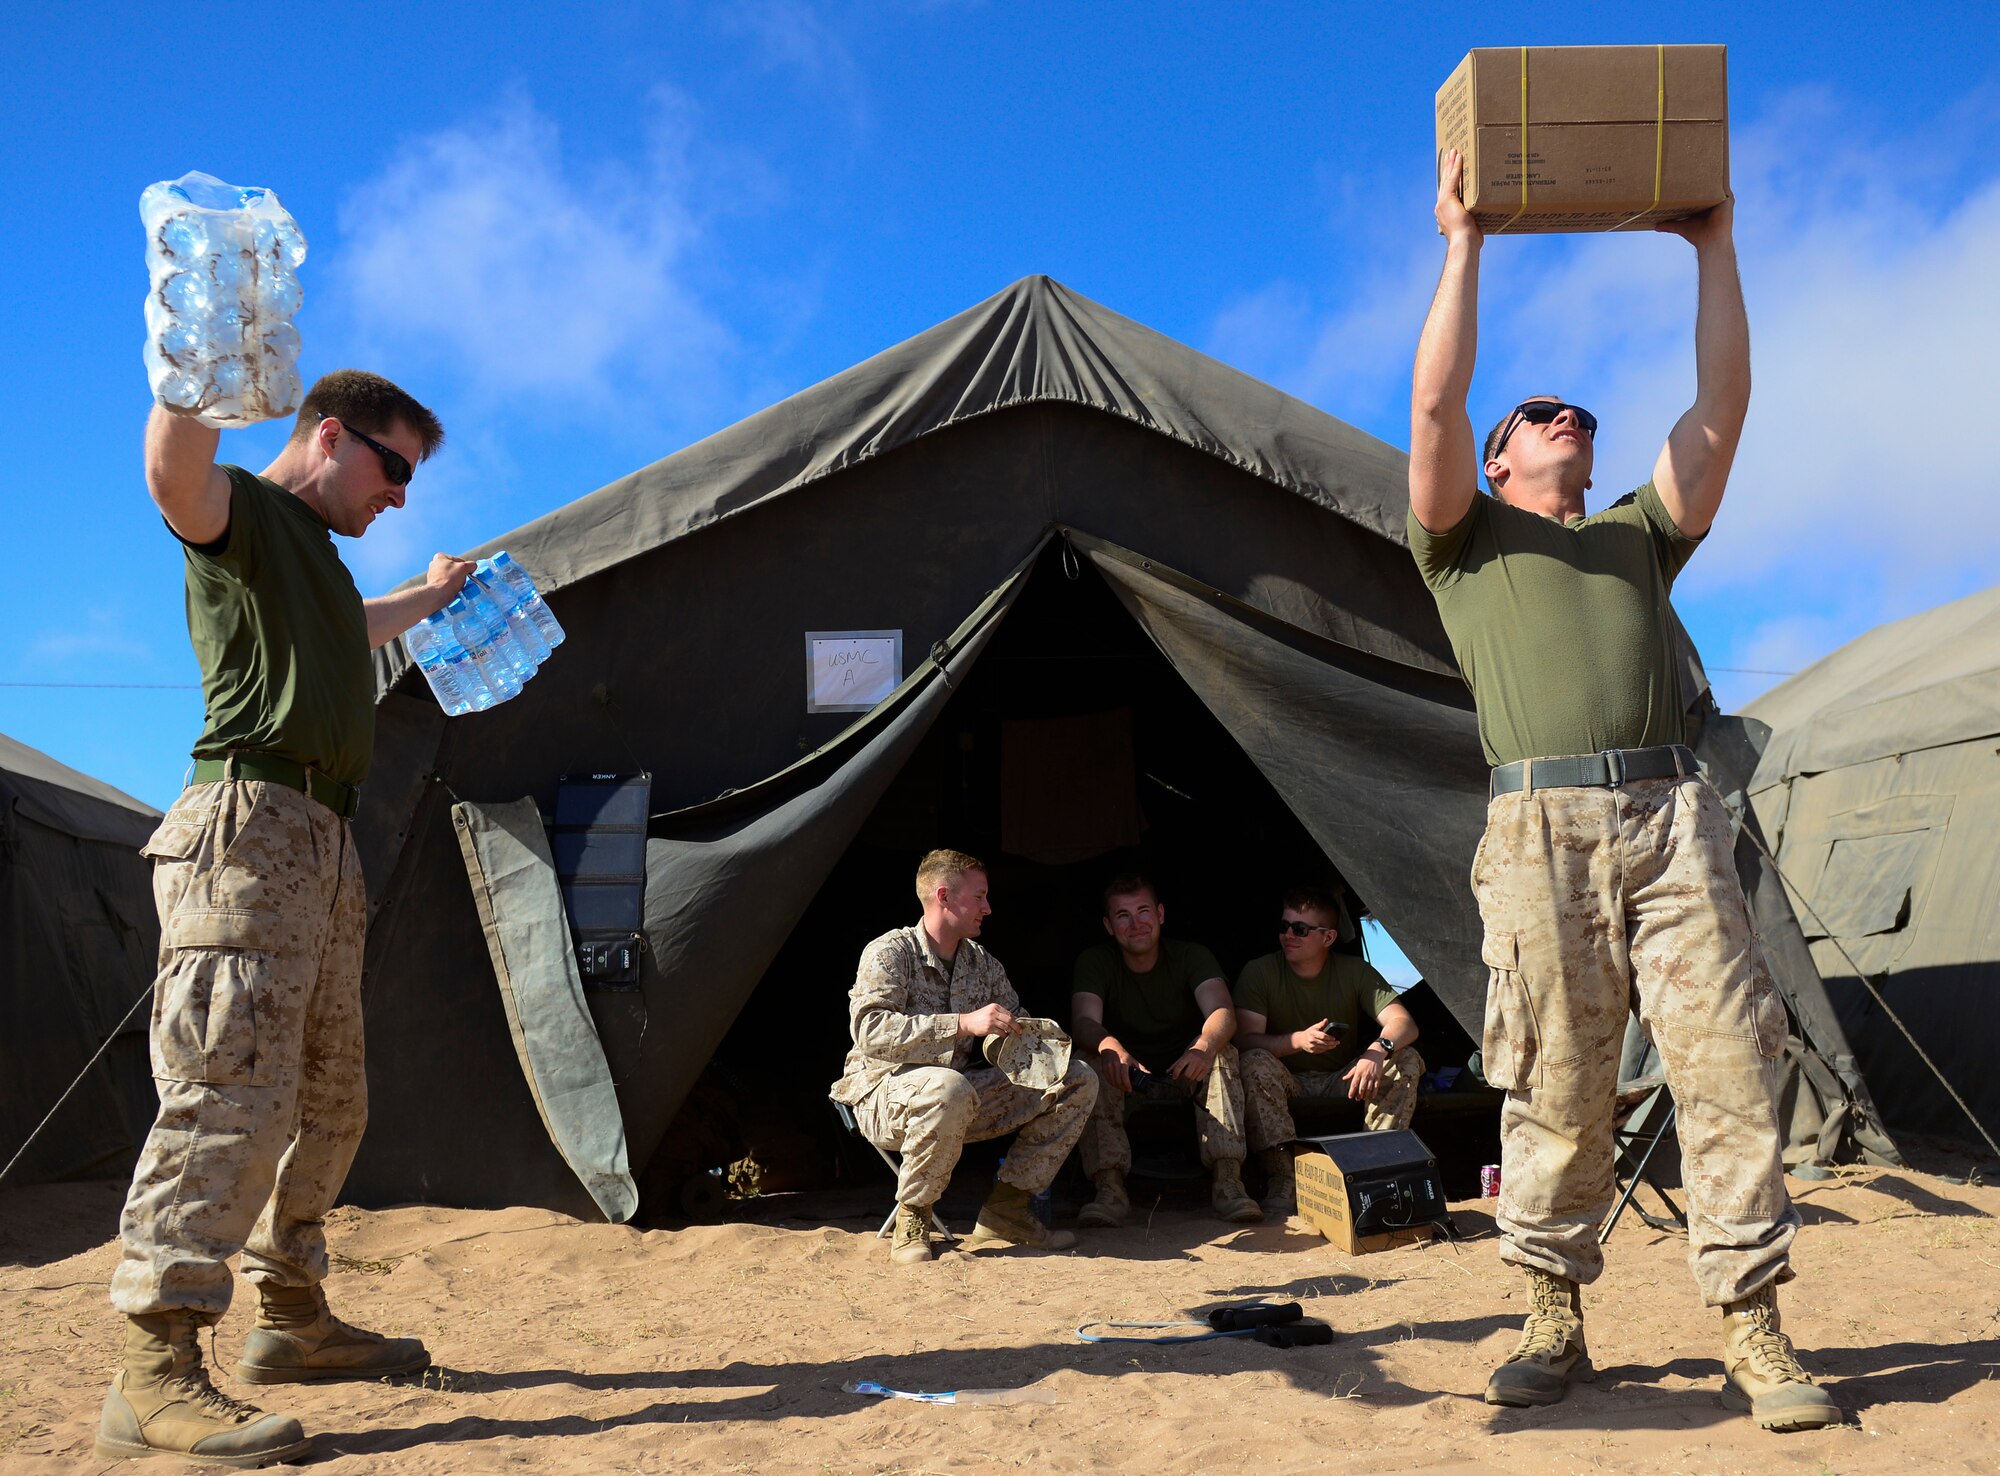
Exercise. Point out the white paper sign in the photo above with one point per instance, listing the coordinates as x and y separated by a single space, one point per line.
851 670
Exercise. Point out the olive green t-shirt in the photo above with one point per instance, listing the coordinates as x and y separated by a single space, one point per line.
1348 992
1155 1014
1563 630
281 636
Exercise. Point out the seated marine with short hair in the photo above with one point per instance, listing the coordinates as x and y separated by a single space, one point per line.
923 999
1299 1013
1152 1012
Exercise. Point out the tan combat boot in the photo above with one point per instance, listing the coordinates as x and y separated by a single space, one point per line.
1761 1373
298 1341
1281 1193
1007 1215
910 1242
1109 1209
1232 1202
1551 1350
161 1403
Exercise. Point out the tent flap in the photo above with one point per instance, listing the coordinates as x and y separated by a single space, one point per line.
1386 777
513 879
726 884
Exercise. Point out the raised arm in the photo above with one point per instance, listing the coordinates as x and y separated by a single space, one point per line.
1444 465
1693 468
181 474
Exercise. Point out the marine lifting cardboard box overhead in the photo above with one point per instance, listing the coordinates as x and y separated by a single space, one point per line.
1588 138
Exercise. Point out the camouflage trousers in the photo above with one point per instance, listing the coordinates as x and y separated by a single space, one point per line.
1218 1116
1598 903
256 1047
1269 1087
929 1113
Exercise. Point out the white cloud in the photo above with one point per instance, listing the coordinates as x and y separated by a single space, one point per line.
92 637
806 40
536 277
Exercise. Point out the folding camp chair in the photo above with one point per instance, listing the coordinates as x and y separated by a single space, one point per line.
895 1163
1634 1142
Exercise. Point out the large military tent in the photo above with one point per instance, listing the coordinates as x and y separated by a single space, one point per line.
78 938
1141 601
1879 790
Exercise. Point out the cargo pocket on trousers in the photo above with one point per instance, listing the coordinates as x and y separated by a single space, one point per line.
1772 1021
1509 1046
205 1022
206 1025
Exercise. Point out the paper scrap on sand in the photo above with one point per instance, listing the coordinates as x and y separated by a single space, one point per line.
1028 1394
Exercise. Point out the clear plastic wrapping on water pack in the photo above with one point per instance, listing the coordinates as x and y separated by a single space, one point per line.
483 647
224 262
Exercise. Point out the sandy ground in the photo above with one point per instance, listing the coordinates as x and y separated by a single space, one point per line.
577 1348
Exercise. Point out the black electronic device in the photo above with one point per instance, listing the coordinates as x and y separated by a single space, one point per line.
599 843
1376 1184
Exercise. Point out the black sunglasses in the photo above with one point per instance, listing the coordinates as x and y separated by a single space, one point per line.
394 467
1302 929
1541 412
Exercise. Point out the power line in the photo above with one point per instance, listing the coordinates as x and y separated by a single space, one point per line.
115 686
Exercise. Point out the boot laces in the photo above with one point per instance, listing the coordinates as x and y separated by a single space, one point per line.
911 1228
1770 1351
1550 1321
350 1333
192 1383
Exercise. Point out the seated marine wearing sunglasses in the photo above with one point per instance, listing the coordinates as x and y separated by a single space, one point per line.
1302 1014
1605 879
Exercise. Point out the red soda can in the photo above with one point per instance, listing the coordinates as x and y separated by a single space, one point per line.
1489 1181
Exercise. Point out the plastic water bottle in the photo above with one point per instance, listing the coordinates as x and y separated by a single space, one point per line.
523 629
223 263
496 670
434 646
531 598
499 639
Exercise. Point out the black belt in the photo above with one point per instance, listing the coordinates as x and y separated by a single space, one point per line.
1608 769
343 799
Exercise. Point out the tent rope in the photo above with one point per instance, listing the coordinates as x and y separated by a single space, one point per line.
144 995
1869 983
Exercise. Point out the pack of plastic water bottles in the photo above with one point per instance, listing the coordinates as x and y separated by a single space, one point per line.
479 650
224 267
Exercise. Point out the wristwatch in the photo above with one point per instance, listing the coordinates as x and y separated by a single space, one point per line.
1388 1047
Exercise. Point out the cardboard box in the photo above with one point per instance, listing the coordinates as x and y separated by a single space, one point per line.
1345 1181
1603 137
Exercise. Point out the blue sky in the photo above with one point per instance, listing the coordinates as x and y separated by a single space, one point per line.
591 236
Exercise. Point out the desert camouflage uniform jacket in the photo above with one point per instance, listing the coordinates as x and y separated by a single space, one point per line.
905 1004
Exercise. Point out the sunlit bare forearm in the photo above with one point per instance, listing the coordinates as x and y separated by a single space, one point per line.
391 614
1693 470
1443 467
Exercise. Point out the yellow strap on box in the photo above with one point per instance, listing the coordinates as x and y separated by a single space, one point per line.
1659 147
1524 146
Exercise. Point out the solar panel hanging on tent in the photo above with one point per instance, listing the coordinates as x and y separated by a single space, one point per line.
599 843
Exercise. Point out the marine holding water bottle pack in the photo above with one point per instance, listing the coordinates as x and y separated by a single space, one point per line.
481 648
223 262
